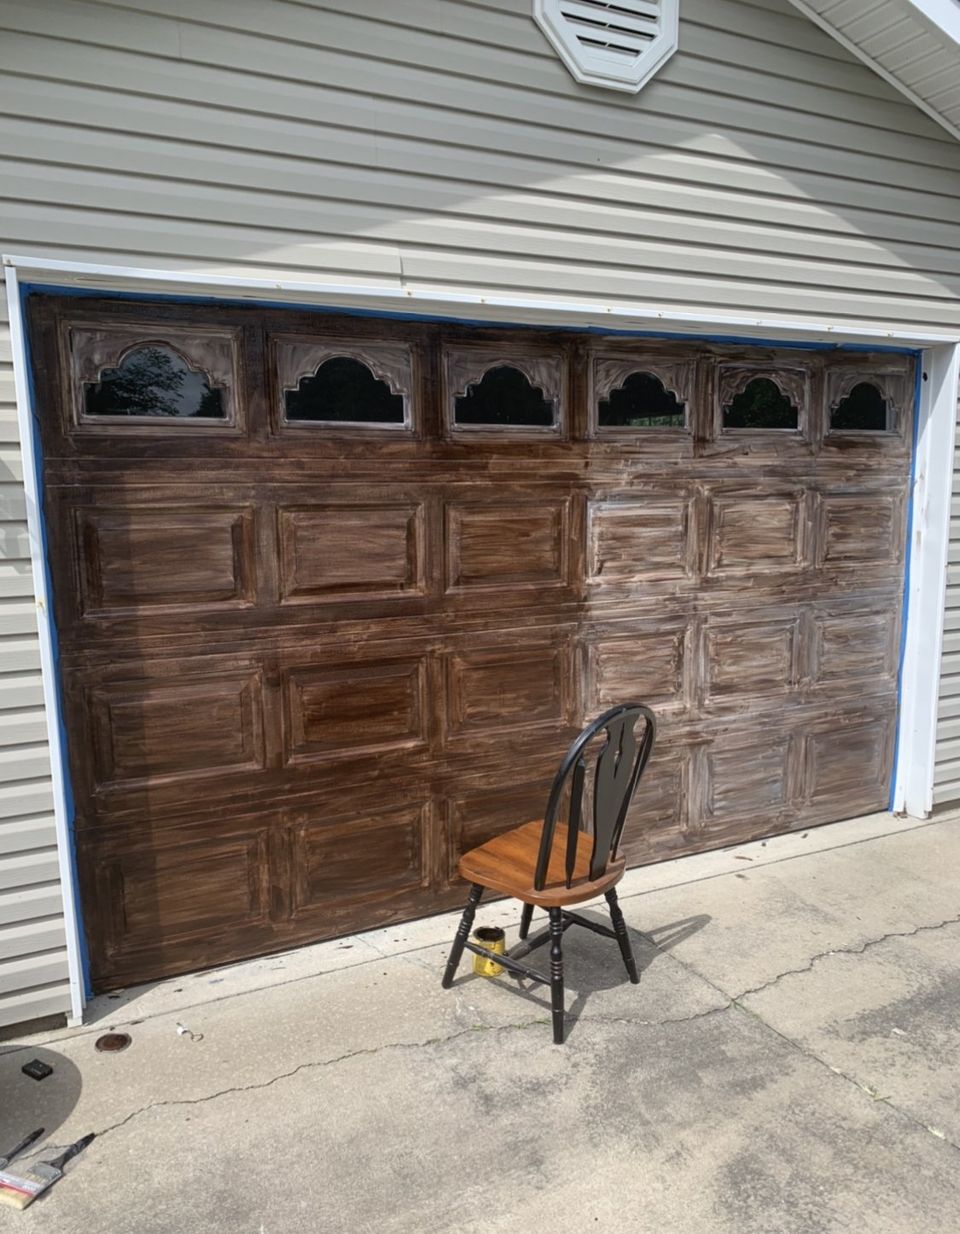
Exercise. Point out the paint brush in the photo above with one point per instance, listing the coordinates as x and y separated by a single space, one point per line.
20 1190
18 1148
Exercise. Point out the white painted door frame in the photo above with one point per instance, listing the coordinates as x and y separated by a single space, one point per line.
930 490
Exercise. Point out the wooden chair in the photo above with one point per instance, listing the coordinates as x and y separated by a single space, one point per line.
551 864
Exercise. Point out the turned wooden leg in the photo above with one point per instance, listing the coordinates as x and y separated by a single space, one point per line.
623 938
463 933
525 918
556 973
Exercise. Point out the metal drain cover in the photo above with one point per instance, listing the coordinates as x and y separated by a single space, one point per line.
112 1043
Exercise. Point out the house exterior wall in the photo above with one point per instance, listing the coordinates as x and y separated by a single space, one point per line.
764 170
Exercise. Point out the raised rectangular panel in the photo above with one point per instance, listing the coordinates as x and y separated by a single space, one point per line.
184 888
355 709
860 528
364 858
351 552
746 779
475 818
748 659
753 534
645 667
507 545
858 644
499 690
637 540
160 559
655 822
850 762
196 727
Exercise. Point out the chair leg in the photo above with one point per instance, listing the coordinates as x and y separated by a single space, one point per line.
623 938
556 973
525 918
463 933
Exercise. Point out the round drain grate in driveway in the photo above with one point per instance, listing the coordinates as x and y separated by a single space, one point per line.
112 1043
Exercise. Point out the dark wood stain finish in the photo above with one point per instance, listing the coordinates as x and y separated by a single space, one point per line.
301 660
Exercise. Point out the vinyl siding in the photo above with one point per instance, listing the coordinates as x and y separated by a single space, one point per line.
947 777
33 960
438 144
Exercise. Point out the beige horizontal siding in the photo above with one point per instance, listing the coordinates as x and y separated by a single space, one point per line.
947 773
33 958
438 143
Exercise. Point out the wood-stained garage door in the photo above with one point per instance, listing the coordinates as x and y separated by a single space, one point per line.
333 594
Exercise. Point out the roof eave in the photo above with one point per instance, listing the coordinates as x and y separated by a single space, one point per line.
942 17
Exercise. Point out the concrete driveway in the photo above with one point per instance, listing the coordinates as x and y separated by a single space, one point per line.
789 1062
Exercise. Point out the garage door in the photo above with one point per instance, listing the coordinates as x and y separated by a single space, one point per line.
333 594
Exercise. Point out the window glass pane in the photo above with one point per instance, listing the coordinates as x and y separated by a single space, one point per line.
504 396
154 380
761 405
864 408
641 402
344 390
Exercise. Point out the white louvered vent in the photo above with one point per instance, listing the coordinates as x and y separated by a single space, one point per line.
619 44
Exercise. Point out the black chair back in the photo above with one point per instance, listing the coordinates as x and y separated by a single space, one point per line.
619 766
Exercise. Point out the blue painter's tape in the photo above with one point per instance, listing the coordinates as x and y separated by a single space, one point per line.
905 608
55 645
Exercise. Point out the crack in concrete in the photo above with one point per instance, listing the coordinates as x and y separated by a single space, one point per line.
868 1090
322 1063
871 1092
872 942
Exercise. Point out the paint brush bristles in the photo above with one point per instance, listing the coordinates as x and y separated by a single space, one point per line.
20 1190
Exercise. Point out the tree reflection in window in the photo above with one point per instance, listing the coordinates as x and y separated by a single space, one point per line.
154 380
641 402
761 404
505 396
864 409
344 390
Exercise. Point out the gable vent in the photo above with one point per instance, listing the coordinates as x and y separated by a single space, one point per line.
619 44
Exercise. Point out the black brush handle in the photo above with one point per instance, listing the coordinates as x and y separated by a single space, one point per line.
59 1162
24 1143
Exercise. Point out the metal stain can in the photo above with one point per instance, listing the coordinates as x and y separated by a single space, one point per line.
492 939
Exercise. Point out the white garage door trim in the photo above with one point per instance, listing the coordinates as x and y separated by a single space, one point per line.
930 500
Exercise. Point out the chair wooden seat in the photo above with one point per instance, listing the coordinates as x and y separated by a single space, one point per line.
508 863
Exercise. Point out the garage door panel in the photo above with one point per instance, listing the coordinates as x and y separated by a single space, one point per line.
483 811
139 561
341 860
856 645
635 542
756 533
336 553
746 660
518 544
748 777
860 529
851 762
492 693
149 731
658 824
178 895
359 710
648 663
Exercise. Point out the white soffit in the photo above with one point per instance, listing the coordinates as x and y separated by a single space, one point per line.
618 44
914 44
